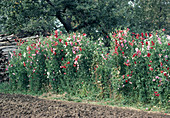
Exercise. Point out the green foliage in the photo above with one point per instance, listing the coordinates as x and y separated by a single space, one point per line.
149 15
24 18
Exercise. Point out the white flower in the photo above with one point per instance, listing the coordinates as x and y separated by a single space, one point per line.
24 54
48 74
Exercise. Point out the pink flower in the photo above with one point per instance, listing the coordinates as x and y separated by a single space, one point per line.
153 80
151 69
123 76
56 32
71 43
157 77
28 48
130 82
159 42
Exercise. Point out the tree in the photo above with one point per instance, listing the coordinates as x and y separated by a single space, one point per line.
149 15
89 16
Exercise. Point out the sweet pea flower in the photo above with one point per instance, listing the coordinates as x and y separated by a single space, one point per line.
157 77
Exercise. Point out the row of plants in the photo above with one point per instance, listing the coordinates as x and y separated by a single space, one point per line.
135 68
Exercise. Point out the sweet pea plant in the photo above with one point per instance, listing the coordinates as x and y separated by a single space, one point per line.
136 66
144 67
57 62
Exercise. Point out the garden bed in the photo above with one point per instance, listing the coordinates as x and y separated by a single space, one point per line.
14 105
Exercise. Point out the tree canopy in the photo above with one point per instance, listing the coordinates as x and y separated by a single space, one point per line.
94 17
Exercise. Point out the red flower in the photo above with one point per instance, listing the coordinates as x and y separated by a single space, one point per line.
169 44
75 43
146 34
142 42
126 81
165 74
156 94
135 62
123 53
80 49
146 43
142 34
168 68
150 34
127 75
24 63
19 54
151 47
162 71
56 36
161 64
36 51
149 65
134 55
60 40
152 43
163 30
56 43
76 59
84 34
63 67
148 54
68 62
137 36
131 44
66 43
62 59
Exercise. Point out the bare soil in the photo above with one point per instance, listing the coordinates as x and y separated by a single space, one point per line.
26 106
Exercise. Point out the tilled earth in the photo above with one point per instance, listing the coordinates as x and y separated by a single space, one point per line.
25 106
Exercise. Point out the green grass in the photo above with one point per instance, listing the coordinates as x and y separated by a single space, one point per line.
4 88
